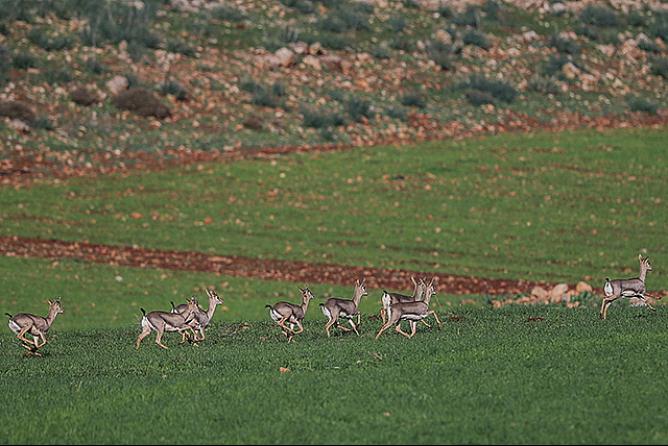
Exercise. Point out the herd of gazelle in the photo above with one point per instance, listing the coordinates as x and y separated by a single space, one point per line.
191 320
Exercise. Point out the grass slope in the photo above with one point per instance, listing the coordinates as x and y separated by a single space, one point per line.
545 206
491 377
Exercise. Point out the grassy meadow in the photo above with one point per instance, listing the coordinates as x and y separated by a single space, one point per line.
549 206
546 206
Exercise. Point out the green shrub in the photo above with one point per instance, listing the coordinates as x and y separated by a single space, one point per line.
359 109
399 113
24 60
94 66
83 96
401 42
659 26
57 75
476 38
303 6
649 46
39 37
142 102
381 51
343 19
636 19
175 89
113 21
600 35
413 99
478 98
564 45
397 24
491 8
554 64
499 90
180 47
278 89
264 98
469 17
660 67
249 86
638 104
441 54
445 12
599 15
228 13
319 120
543 85
43 123
17 110
335 41
5 63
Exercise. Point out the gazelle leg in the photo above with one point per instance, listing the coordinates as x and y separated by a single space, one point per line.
300 326
352 324
438 321
145 332
601 313
385 326
606 304
328 326
283 326
158 339
22 336
399 330
341 327
425 323
413 325
383 314
43 338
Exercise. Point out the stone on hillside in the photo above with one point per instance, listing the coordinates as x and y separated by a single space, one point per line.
84 96
19 126
17 110
530 36
443 37
331 61
312 62
285 57
267 61
299 47
559 293
315 49
583 287
571 71
142 102
117 84
539 293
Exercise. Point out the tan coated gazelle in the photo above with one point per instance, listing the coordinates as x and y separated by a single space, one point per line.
202 318
627 288
162 321
335 308
389 298
285 312
411 312
37 326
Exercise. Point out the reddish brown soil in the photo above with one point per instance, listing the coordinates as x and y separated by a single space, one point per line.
286 270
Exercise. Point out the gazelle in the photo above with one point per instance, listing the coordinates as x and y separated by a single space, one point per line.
388 299
285 312
202 318
24 323
627 288
410 311
334 308
162 321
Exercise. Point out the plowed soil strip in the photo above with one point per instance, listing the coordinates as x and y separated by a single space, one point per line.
268 269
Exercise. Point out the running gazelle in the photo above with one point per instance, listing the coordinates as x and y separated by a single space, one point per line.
413 312
286 312
335 308
202 318
37 326
389 298
162 321
627 288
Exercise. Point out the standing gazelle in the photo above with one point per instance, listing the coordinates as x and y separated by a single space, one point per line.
389 298
202 318
628 288
410 311
285 312
162 321
334 308
24 323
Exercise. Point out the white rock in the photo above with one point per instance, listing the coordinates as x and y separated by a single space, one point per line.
117 84
312 62
285 57
559 293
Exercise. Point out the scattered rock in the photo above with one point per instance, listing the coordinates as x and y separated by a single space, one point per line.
443 36
312 62
559 293
117 84
315 49
332 62
285 57
583 287
539 293
19 126
142 102
530 36
267 61
253 122
571 71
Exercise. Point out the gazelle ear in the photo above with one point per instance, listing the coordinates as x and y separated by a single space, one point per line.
50 302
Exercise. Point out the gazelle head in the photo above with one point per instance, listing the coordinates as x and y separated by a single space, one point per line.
55 307
644 263
430 291
307 295
213 298
360 289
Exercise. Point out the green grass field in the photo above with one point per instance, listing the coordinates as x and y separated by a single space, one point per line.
547 206
550 206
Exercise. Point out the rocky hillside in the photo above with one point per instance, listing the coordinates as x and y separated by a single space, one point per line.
95 84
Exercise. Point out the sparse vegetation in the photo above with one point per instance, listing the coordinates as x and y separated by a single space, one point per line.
639 104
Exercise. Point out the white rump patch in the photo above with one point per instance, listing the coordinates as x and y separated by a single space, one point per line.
326 312
13 326
607 289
